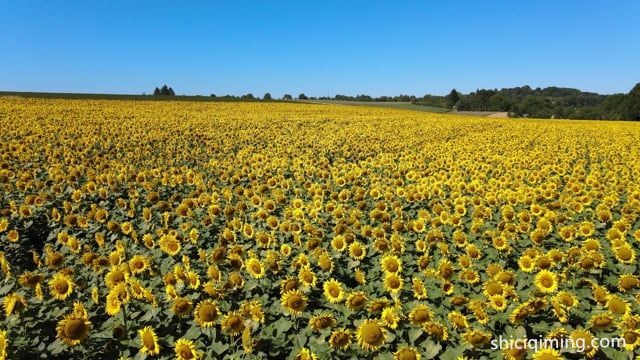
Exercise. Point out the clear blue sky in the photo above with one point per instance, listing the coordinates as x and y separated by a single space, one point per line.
318 47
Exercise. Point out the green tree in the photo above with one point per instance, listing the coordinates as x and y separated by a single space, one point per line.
452 98
631 107
267 96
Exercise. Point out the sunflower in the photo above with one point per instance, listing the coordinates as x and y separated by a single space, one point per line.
73 329
3 344
339 243
617 305
627 282
149 341
360 277
13 304
181 306
406 353
333 291
584 336
391 264
458 321
357 251
233 323
294 302
393 283
419 291
389 317
170 245
526 264
340 339
322 321
420 314
305 354
476 338
436 330
625 253
601 321
13 236
115 276
306 277
126 227
498 302
566 298
546 281
61 286
255 268
325 262
138 264
547 354
113 303
287 284
206 313
185 350
356 300
370 335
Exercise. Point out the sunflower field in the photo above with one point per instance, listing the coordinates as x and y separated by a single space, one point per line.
161 230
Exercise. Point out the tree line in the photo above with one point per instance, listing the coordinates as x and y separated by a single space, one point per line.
549 102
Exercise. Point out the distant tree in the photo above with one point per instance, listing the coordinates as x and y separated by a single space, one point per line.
631 107
248 96
267 96
171 92
498 102
213 95
287 97
452 98
156 91
302 97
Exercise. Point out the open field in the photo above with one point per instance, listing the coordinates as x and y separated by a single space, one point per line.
148 229
384 104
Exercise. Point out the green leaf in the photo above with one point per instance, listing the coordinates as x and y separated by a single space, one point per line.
282 325
193 333
384 356
5 289
414 334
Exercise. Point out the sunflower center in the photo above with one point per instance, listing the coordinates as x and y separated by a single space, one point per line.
341 339
624 254
235 323
357 300
334 292
61 286
182 305
118 276
371 333
546 282
208 313
421 315
295 302
630 338
407 354
392 267
186 353
75 329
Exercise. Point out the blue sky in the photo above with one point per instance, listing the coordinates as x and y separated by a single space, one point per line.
317 47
